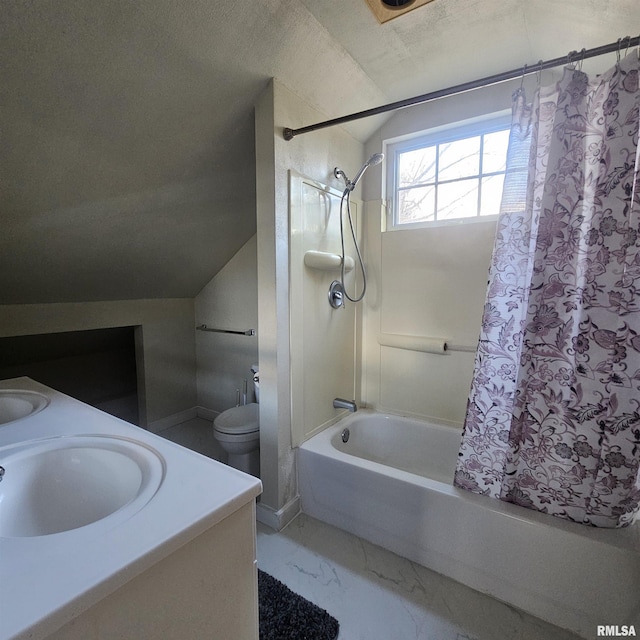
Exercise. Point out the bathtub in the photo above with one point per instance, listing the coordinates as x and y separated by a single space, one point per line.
391 484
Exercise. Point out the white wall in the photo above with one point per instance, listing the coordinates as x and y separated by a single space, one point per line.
165 348
314 155
228 301
429 282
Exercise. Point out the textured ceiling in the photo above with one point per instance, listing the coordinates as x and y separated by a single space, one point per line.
127 163
447 42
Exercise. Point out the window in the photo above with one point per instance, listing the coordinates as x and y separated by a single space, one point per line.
456 174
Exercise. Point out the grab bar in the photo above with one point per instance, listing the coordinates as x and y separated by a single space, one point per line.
468 348
248 332
422 343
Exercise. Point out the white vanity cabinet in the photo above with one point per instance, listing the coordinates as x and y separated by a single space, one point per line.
205 589
110 532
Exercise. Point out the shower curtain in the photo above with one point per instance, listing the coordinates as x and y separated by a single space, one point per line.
553 417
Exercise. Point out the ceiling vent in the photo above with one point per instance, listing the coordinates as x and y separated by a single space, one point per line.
386 10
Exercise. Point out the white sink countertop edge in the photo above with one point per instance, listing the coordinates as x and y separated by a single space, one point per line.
49 580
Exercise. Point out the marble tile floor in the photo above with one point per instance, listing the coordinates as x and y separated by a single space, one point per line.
377 595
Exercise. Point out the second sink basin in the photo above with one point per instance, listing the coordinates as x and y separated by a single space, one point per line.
60 484
20 403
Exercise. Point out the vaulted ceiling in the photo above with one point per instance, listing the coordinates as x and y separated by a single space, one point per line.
126 128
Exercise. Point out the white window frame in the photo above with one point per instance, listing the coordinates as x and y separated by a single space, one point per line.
449 133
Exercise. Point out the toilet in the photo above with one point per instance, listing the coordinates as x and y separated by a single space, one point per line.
238 432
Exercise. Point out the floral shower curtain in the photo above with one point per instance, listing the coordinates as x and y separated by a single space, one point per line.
553 418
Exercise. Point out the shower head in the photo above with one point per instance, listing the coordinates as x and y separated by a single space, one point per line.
376 158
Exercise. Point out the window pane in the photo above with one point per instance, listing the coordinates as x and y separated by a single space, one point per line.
416 205
458 199
495 151
459 159
457 175
491 195
417 167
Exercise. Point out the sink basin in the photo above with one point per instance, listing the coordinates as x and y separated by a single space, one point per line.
61 484
18 403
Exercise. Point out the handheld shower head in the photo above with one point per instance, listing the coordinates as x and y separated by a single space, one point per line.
350 185
376 158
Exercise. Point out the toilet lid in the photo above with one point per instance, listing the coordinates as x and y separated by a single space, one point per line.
238 420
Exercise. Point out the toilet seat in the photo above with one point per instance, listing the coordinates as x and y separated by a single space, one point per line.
236 439
238 420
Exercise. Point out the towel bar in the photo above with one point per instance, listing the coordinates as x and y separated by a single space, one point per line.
248 332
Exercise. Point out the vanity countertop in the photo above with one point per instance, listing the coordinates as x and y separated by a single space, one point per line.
47 580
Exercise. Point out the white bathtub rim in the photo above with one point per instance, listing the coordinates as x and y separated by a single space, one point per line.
627 538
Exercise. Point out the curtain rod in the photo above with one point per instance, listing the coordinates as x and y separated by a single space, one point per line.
541 65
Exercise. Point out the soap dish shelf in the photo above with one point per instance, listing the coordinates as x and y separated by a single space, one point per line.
325 261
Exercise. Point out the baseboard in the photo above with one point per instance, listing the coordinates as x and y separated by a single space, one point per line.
170 421
279 519
182 416
207 414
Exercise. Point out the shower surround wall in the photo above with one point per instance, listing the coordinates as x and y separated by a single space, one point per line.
424 282
429 282
323 339
314 156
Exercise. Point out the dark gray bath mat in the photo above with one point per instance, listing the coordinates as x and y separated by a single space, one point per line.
284 615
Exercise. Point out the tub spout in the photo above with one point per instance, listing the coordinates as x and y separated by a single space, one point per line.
340 403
